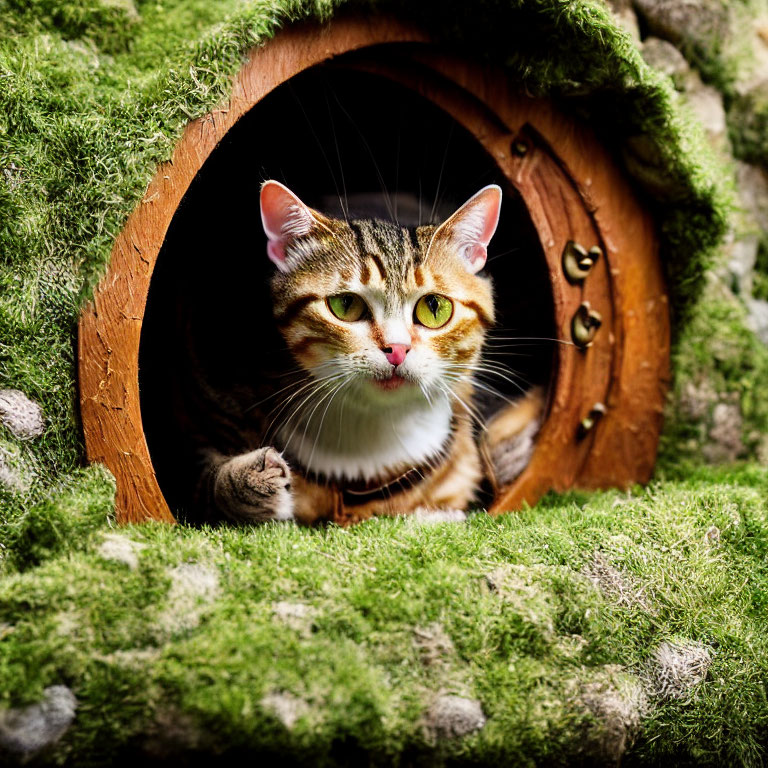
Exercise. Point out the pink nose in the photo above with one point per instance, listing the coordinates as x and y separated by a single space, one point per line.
395 353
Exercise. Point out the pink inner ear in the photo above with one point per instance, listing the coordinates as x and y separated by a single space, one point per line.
475 225
491 204
276 252
476 255
283 217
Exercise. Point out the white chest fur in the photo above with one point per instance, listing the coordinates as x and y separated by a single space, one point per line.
365 441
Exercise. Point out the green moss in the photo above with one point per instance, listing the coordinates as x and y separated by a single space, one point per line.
530 634
78 506
760 290
748 126
717 360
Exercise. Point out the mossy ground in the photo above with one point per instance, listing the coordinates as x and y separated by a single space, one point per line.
180 654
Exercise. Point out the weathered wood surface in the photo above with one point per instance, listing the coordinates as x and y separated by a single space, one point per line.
573 191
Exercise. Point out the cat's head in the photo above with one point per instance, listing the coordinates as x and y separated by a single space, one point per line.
401 314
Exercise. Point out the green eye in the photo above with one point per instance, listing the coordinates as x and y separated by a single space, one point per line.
433 310
347 306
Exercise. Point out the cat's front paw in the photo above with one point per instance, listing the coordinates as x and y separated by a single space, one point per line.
255 487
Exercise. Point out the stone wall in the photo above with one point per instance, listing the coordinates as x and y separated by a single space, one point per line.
716 54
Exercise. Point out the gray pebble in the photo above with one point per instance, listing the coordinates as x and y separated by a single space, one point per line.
20 415
27 730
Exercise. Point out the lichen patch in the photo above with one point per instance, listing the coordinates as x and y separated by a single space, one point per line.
131 658
20 415
27 730
286 707
618 703
194 586
676 668
617 586
520 586
451 717
433 644
15 474
120 549
297 616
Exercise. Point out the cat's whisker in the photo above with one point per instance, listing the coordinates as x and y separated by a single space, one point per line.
470 411
353 123
322 392
491 338
503 253
438 195
344 203
312 384
495 370
306 377
319 430
316 137
425 392
491 390
298 410
341 417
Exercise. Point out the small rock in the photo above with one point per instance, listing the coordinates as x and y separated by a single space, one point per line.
194 587
297 616
702 22
696 399
677 668
433 643
757 319
121 549
20 415
725 434
742 255
451 717
706 103
752 72
27 730
664 57
752 183
626 17
286 707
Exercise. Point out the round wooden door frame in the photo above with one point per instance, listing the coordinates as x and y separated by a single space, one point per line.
574 193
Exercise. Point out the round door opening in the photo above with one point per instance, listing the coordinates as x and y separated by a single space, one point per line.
348 142
372 116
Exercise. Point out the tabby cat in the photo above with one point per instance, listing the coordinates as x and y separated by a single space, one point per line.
385 325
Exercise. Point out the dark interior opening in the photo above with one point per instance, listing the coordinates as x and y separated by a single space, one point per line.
328 134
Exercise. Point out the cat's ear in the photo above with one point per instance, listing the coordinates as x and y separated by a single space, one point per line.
469 230
284 218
